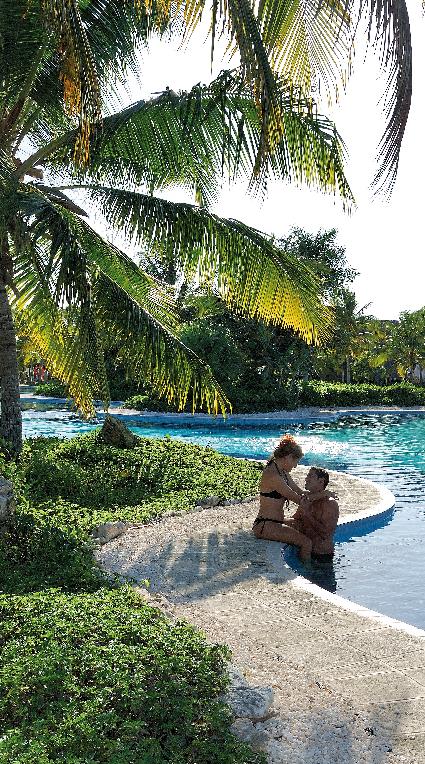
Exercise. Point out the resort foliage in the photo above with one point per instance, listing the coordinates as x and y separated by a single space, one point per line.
69 288
88 670
60 61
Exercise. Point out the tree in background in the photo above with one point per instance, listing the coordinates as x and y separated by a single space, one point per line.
328 261
258 365
405 345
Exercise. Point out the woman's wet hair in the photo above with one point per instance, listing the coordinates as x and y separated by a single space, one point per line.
287 447
322 475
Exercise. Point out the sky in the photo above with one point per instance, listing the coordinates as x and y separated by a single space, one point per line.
383 239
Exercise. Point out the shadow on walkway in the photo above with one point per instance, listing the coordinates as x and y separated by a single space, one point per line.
344 726
197 567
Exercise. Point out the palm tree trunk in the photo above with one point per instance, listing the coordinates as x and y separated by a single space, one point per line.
11 417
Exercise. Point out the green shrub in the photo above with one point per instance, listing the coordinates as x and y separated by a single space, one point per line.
89 673
102 482
36 553
66 487
245 398
144 402
341 394
103 677
296 393
53 389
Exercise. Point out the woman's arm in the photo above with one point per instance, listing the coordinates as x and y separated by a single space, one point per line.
292 484
276 482
288 492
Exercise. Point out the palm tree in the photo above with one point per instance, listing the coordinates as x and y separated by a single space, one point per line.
67 284
404 345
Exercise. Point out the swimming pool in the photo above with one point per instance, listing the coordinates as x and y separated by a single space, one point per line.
384 569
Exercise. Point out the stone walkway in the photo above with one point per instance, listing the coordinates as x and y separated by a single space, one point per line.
348 688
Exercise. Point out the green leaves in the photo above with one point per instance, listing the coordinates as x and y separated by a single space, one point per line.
105 677
75 290
195 138
248 271
74 287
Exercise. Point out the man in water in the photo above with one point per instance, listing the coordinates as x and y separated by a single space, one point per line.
317 519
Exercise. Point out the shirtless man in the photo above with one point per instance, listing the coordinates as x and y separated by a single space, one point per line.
317 519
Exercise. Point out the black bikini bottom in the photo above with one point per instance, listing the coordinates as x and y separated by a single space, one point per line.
265 520
322 557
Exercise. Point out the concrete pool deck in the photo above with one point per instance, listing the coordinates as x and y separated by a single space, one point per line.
306 414
349 685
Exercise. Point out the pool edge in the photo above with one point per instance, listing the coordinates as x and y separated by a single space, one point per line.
276 556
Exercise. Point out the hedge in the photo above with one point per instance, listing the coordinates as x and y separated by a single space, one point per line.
342 394
314 393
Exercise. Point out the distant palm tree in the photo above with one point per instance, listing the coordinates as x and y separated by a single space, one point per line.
67 285
404 345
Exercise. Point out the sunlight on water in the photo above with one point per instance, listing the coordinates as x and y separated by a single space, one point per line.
384 569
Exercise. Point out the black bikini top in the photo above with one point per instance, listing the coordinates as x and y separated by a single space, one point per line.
275 494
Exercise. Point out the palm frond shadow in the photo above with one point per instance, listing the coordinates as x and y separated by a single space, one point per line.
197 568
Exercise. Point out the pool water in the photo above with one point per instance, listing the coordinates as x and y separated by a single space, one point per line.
383 569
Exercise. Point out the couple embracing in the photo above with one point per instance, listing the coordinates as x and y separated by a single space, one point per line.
312 527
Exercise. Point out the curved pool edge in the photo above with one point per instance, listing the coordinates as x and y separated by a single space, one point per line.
266 419
364 519
301 415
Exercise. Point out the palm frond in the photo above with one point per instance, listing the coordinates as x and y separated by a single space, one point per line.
391 29
153 354
70 252
252 275
313 43
80 47
67 339
91 282
308 42
193 138
78 70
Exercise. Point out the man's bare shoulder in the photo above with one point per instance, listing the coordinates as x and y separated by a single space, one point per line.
327 504
332 504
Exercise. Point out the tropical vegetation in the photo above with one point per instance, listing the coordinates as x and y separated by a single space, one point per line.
110 680
88 670
69 288
263 368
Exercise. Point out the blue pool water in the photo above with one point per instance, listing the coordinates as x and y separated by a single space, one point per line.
383 569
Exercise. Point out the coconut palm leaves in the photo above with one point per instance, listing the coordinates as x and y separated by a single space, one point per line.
73 288
311 45
191 138
247 270
60 60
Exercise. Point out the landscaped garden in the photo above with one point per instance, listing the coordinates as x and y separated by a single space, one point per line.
89 671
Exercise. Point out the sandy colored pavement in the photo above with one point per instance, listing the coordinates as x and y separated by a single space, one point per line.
349 688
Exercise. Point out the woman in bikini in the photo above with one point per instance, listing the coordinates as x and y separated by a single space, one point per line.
277 489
